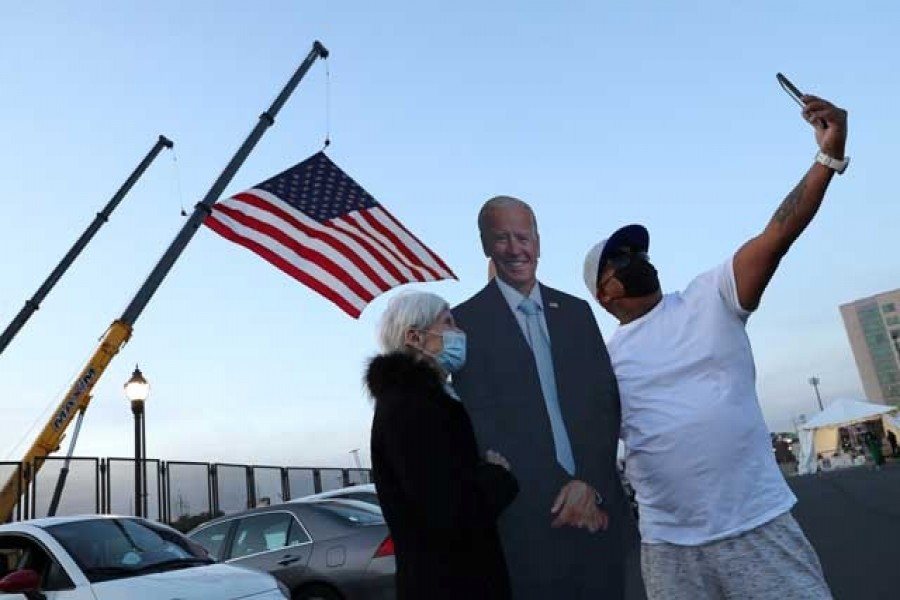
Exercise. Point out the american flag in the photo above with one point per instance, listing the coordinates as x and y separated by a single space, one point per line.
320 227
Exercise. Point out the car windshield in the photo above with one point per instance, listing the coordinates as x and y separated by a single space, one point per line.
356 513
115 548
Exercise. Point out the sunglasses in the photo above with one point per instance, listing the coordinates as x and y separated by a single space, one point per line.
621 259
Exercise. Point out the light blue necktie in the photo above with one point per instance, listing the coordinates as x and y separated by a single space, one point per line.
540 346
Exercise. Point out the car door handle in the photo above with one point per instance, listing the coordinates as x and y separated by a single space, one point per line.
287 560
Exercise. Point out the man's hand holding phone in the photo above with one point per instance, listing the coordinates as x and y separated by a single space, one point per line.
829 122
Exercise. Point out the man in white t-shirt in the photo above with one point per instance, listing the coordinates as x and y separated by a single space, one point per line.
714 507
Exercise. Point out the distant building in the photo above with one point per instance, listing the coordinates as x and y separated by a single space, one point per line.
873 326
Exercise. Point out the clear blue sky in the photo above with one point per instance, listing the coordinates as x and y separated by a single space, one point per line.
598 113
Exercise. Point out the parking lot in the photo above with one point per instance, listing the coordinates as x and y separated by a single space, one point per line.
852 517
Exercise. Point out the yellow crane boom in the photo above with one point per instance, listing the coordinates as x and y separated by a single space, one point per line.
76 399
79 394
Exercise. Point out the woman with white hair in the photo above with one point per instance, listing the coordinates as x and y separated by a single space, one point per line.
441 501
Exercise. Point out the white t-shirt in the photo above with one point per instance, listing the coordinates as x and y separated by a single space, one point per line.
697 450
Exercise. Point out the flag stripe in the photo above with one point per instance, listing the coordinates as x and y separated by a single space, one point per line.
363 249
289 257
446 271
360 223
409 242
328 292
304 253
350 226
319 226
327 238
391 235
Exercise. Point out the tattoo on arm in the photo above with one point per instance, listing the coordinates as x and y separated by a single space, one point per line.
789 205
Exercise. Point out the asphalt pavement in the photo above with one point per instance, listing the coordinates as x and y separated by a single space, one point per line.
852 518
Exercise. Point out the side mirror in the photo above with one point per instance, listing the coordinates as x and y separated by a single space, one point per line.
20 582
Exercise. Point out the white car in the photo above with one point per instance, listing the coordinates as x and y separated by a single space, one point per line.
100 557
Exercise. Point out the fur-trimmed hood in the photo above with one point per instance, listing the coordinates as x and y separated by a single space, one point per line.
398 373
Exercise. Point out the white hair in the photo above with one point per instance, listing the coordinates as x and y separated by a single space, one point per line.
409 310
499 202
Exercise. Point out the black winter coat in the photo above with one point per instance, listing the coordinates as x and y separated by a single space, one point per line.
440 500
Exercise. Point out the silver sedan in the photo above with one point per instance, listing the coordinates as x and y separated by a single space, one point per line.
321 549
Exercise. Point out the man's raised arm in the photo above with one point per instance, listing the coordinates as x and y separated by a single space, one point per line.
755 263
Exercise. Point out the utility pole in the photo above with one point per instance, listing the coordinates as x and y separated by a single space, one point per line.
814 381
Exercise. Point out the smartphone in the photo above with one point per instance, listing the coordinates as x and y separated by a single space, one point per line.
794 93
790 88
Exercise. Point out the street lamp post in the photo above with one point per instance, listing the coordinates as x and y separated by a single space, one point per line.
814 381
137 389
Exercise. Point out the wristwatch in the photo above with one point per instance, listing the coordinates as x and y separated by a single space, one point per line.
838 166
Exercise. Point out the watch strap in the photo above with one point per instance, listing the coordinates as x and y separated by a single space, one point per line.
837 165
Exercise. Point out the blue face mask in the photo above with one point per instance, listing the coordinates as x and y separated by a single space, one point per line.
453 356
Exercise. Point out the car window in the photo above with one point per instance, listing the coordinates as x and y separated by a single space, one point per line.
297 534
261 533
22 552
213 538
115 548
9 558
352 514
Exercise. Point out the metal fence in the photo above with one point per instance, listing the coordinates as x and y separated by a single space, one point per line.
182 494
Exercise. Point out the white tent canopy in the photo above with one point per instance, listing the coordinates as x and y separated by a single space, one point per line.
841 413
893 422
821 431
